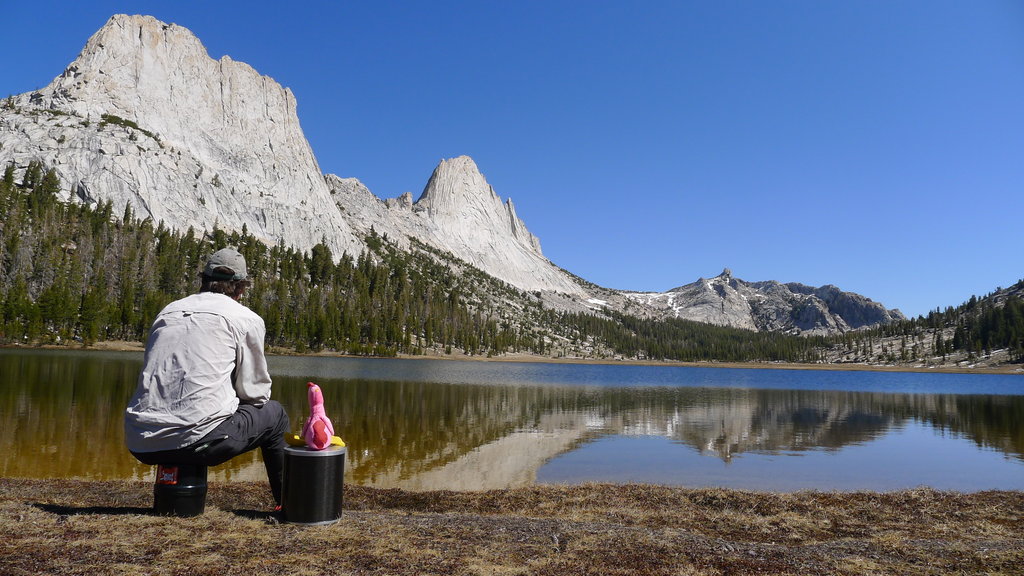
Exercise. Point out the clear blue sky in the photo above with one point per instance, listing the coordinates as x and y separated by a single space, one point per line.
874 145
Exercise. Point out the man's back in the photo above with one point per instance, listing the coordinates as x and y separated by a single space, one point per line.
204 354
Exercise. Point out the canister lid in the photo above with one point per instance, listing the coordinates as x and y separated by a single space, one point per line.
305 451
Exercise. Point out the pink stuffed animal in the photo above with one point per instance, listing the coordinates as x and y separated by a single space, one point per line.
318 430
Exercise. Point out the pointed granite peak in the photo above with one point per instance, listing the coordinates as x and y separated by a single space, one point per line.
160 76
455 182
460 213
183 138
458 198
134 32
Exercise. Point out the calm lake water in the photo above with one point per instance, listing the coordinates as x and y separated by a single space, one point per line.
436 424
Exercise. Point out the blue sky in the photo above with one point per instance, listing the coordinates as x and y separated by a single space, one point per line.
874 145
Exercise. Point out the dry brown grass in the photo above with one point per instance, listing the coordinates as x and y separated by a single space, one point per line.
73 527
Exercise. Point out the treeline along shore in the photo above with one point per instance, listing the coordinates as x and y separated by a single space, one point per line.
950 368
78 273
63 527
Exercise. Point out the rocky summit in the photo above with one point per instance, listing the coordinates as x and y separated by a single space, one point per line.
460 213
145 119
770 306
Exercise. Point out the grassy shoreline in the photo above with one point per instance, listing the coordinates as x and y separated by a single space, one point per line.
64 527
126 346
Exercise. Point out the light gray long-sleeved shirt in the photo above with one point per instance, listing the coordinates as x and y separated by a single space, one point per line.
204 356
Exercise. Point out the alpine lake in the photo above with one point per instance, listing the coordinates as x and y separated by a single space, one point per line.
458 425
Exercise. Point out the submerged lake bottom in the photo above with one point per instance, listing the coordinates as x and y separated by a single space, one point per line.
455 425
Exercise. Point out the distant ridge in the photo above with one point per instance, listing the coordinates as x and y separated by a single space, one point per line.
768 306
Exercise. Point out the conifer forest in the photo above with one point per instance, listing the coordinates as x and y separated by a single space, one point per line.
78 273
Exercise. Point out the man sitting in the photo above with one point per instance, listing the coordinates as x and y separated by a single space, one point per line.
203 396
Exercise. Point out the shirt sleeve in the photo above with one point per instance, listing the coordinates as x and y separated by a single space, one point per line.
252 377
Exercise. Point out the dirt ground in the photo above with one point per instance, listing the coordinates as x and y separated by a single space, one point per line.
64 527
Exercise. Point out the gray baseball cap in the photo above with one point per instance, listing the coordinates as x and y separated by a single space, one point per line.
228 258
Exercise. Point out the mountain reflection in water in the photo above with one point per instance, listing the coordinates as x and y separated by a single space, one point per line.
61 413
